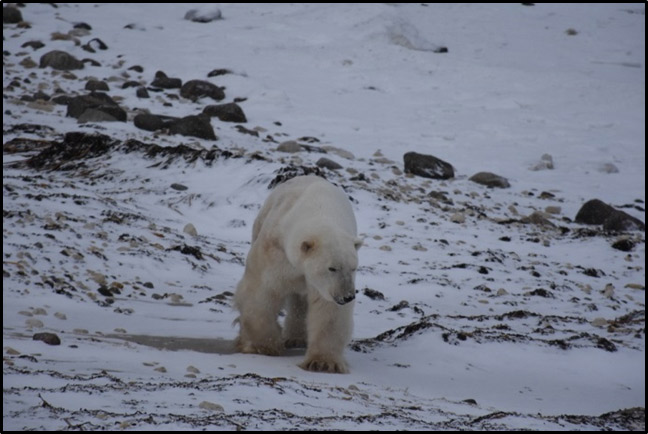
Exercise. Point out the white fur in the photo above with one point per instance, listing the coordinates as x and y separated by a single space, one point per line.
303 257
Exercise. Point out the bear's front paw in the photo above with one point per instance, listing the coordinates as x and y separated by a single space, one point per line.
322 364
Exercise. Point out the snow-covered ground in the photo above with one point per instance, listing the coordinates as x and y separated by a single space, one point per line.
467 316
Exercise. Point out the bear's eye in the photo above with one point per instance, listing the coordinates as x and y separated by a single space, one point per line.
332 270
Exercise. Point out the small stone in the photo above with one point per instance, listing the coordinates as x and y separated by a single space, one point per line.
179 187
490 180
206 405
458 218
289 146
373 294
48 338
537 218
599 322
204 15
190 229
553 210
624 244
34 323
328 164
193 369
545 163
161 369
60 315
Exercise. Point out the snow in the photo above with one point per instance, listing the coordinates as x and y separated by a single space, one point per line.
364 78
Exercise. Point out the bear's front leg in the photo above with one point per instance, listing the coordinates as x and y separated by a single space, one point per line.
259 331
329 328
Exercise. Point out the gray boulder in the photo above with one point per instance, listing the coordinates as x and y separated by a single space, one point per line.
61 60
193 126
162 81
230 112
196 89
95 100
490 180
597 212
11 15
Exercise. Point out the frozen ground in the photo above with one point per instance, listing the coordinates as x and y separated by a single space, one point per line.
468 316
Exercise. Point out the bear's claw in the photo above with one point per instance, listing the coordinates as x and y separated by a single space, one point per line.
322 365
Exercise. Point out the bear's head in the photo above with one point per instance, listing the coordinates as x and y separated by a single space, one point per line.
329 266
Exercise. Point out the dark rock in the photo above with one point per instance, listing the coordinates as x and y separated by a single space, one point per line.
593 212
106 114
142 92
34 45
241 129
596 212
195 89
48 338
230 112
189 250
179 187
11 15
373 294
427 166
399 306
130 83
625 245
60 60
93 85
490 180
136 68
95 100
92 62
93 45
62 99
151 122
441 196
217 72
162 81
82 25
328 164
289 172
193 126
440 49
204 15
621 221
541 292
42 95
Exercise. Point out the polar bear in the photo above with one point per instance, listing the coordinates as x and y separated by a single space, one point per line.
303 258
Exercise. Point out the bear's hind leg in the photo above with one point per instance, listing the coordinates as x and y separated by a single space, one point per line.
294 331
259 330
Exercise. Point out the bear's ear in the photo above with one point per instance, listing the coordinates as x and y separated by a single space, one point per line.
357 243
307 246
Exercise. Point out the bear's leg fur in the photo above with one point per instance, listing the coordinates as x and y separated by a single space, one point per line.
329 327
259 307
294 331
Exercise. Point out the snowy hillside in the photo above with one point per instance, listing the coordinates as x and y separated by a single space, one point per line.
127 213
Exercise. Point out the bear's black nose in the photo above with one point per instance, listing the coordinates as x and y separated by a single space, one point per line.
348 298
